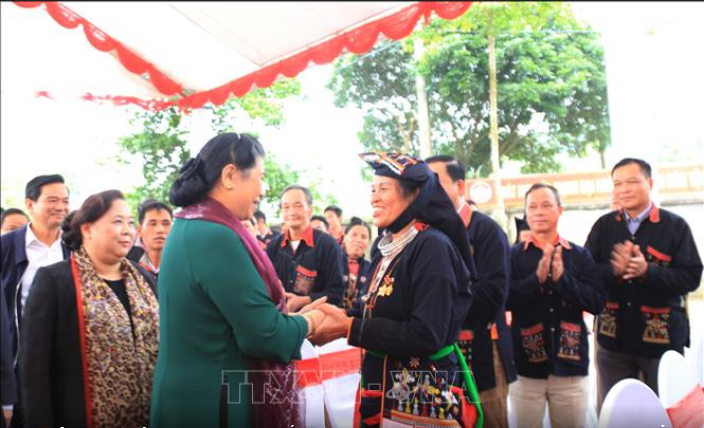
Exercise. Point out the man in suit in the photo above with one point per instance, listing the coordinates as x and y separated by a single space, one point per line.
25 250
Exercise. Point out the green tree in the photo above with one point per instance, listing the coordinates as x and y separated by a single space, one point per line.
551 87
160 143
160 138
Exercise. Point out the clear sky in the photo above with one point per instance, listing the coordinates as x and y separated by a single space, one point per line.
654 66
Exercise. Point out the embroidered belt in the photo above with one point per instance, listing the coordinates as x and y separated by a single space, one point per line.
469 379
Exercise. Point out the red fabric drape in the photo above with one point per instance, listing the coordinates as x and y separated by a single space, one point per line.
104 43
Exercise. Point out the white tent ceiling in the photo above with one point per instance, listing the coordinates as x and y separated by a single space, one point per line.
203 45
198 45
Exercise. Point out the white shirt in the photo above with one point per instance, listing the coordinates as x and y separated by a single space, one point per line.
38 255
294 245
148 263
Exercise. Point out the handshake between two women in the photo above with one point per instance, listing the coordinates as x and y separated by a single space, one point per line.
325 322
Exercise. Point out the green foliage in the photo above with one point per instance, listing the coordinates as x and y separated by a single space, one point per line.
160 139
551 87
161 146
277 176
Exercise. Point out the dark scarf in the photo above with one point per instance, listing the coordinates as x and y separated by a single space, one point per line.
432 206
280 392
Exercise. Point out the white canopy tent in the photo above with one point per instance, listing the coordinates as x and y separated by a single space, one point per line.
187 53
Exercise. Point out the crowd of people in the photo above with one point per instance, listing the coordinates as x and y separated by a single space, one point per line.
108 322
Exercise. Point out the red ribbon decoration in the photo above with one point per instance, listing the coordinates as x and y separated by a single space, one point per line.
358 40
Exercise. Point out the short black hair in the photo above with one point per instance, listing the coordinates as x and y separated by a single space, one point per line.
259 215
11 211
306 192
356 221
644 166
34 187
455 168
334 208
151 205
321 218
537 186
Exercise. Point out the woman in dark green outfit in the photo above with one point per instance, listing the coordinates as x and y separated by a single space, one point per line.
224 331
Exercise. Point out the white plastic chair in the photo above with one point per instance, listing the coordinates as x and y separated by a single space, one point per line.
695 358
675 378
631 403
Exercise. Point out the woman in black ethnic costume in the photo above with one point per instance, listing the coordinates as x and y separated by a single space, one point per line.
418 296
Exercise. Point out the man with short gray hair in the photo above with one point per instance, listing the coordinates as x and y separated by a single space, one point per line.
307 261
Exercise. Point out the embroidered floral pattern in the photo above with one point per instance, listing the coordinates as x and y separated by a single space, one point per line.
304 281
656 325
569 341
607 320
534 344
423 396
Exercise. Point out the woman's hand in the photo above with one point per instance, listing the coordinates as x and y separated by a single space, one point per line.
314 305
315 319
295 302
334 326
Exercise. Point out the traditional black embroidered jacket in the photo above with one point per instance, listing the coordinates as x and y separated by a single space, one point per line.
486 321
549 333
646 316
418 310
313 269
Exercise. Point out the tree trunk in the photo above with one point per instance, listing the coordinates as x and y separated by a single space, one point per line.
602 156
426 149
500 213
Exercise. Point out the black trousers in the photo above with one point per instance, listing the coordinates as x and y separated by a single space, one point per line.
612 367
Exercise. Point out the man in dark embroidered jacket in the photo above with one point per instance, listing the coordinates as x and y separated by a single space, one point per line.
648 262
307 261
485 338
552 282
